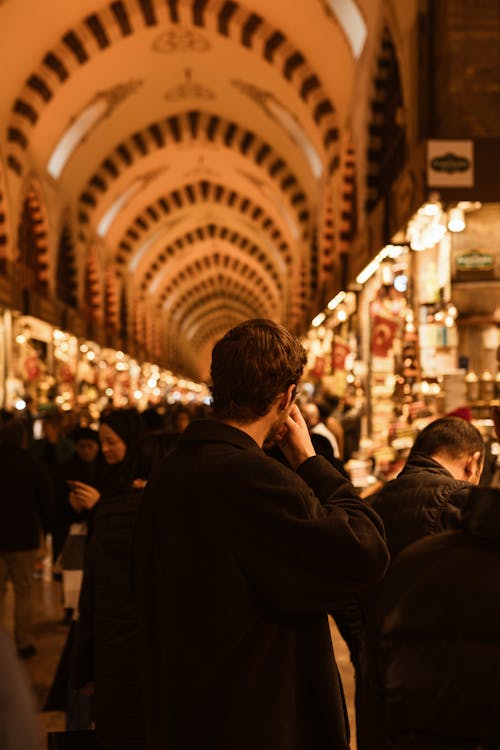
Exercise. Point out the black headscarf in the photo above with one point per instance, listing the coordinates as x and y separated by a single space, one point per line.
127 424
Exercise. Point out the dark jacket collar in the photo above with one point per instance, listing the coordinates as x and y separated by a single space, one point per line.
418 461
212 430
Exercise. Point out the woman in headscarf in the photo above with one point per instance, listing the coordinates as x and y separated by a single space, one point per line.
106 662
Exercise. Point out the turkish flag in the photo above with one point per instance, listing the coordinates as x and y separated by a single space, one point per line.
383 332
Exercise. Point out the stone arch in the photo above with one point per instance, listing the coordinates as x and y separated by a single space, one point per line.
191 194
217 271
205 232
188 126
104 28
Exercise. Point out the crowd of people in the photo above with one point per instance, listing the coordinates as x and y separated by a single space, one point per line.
202 554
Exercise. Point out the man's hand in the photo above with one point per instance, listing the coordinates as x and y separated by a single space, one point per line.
296 442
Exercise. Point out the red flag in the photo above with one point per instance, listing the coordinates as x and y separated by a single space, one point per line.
383 332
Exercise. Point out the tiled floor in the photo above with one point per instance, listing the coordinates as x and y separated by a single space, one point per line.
50 635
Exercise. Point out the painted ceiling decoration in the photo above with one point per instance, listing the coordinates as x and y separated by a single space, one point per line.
174 167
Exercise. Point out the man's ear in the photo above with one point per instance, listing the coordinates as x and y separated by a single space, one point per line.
287 398
473 466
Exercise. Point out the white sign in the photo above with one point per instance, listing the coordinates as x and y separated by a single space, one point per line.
450 164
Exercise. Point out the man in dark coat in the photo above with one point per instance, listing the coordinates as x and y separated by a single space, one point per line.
433 640
238 559
427 497
445 461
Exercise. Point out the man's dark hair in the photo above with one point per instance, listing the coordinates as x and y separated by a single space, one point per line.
251 365
450 436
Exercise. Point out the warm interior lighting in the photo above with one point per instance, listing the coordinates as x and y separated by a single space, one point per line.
318 320
427 227
456 220
342 314
389 251
340 297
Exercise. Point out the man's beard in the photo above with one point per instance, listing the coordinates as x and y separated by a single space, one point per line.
276 431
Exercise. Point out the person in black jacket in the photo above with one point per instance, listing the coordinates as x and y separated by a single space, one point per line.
237 559
427 497
105 659
26 503
433 640
445 461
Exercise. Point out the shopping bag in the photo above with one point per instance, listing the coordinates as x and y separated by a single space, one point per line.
80 740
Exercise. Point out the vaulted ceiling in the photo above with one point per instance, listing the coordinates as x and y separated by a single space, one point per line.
196 151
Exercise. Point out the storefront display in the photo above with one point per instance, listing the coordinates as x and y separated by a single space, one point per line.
30 378
65 357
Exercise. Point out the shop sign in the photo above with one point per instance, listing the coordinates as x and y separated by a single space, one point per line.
450 163
475 260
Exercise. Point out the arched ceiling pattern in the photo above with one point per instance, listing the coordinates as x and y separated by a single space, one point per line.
195 144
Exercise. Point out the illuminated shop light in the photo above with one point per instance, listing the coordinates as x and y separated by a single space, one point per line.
353 24
431 209
20 404
401 283
456 220
342 314
318 320
340 297
389 251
